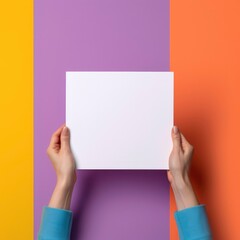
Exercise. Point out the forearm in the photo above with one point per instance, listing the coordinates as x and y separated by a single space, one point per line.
183 193
61 196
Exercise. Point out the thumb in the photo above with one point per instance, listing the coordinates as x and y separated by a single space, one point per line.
176 138
65 138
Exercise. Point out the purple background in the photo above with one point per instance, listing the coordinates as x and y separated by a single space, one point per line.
94 35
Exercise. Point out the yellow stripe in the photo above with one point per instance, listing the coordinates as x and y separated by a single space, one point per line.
16 120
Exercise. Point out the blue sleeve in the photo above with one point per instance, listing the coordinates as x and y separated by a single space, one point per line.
55 224
193 224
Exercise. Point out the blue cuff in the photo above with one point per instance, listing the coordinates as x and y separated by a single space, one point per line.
55 224
192 223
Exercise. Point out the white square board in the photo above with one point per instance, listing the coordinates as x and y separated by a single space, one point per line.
120 120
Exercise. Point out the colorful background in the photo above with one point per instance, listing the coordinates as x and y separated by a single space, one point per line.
198 40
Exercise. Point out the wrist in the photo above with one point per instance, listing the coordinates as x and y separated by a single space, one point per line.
183 192
65 184
61 196
181 182
67 180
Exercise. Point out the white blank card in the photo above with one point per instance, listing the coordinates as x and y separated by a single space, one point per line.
120 120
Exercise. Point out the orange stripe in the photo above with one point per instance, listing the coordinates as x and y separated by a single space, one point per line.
204 55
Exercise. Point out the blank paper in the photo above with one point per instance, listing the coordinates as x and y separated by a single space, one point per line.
120 120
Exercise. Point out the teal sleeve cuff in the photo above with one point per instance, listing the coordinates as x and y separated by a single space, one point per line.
193 224
55 224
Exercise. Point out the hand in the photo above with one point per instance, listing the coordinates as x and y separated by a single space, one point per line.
180 157
179 163
61 156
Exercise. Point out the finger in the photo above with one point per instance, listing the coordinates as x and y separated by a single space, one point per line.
65 138
176 138
55 139
185 144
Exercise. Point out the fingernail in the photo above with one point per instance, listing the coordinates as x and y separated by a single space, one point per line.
65 131
175 130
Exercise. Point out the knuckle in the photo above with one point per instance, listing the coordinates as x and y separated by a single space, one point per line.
65 137
176 136
53 135
48 150
191 148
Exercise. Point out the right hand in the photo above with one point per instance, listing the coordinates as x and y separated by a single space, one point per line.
180 158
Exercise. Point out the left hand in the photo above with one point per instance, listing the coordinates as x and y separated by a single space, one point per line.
60 153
